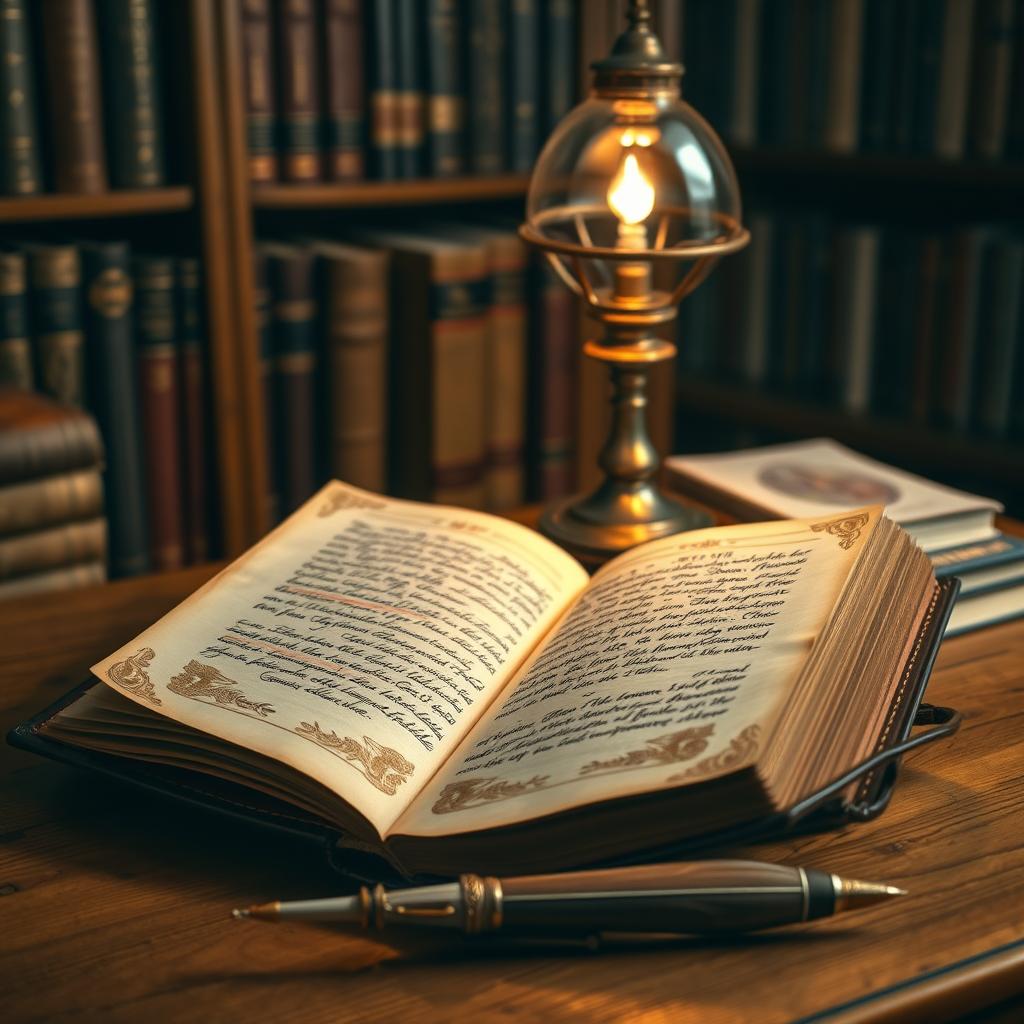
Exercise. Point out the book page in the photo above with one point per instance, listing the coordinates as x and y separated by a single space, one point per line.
670 668
357 642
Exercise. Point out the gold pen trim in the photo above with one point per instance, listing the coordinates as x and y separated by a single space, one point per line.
805 889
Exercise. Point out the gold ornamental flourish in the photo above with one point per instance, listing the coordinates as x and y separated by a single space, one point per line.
383 767
206 683
131 675
741 750
340 499
846 528
670 749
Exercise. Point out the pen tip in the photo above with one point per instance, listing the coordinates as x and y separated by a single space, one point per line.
852 893
239 912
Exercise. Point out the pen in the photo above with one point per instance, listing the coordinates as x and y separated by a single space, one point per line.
695 897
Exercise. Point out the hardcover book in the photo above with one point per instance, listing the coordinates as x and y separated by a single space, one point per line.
449 691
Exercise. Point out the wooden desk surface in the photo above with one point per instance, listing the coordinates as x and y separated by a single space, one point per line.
115 906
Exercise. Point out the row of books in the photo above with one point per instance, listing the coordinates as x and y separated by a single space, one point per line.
340 89
435 364
915 324
80 96
933 77
121 336
53 532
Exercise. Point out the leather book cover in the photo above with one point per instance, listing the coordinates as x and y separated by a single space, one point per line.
40 437
68 577
20 165
50 501
445 106
114 398
298 88
485 65
55 274
382 85
194 439
15 346
355 304
132 92
265 337
996 22
878 73
260 98
343 74
293 316
160 402
523 84
55 546
558 40
73 94
409 87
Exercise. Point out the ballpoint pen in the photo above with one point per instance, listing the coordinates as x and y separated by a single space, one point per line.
695 897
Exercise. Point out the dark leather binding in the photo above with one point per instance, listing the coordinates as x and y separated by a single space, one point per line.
381 46
20 168
523 84
260 99
131 88
160 403
73 90
445 111
831 807
56 278
409 87
298 88
15 346
264 328
114 398
559 41
485 64
343 89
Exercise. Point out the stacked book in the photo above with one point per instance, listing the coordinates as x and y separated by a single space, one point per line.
53 534
940 78
436 364
96 122
923 325
97 328
822 478
341 90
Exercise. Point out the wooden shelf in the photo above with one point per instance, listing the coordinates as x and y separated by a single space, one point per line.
91 207
746 406
388 193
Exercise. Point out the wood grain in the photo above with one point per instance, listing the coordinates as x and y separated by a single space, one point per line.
388 193
115 905
125 203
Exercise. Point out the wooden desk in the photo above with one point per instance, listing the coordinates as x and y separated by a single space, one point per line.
115 905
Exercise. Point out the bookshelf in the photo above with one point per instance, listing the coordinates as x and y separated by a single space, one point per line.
389 193
125 203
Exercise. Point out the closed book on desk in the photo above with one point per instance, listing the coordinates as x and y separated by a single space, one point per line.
53 547
50 501
498 710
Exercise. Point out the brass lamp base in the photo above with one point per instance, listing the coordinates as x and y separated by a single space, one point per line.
594 543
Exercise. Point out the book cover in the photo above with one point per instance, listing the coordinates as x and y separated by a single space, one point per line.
298 91
444 87
855 314
845 48
68 577
878 73
908 48
486 70
954 84
994 27
743 115
51 501
927 56
15 346
132 91
899 262
260 90
114 399
523 88
73 95
53 547
20 167
55 273
999 551
558 42
160 403
382 85
409 87
344 89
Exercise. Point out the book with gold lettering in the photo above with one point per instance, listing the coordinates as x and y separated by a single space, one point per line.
446 690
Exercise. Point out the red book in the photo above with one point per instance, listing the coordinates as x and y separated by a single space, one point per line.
261 104
298 90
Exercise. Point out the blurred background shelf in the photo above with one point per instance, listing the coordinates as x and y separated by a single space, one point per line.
389 193
126 203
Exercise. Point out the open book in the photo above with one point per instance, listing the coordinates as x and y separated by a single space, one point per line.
452 691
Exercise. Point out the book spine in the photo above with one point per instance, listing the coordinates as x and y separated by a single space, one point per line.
132 91
908 49
990 93
755 303
523 84
68 544
409 99
842 122
878 72
506 375
343 90
458 328
265 335
261 104
56 277
15 347
295 365
923 300
52 500
356 307
114 399
927 56
383 88
743 115
819 73
70 577
73 85
33 446
954 79
20 166
559 39
445 115
299 97
160 402
195 441
777 43
1015 111
485 65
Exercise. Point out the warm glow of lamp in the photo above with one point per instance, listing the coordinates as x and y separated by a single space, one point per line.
631 195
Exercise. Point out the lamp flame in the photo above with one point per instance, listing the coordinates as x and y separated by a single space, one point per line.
631 195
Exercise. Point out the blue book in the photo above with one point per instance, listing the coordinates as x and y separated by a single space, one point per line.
983 565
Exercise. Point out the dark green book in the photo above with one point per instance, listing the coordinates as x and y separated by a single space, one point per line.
384 118
132 93
20 169
486 87
523 93
445 107
559 42
927 58
114 400
408 44
55 277
878 73
15 347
